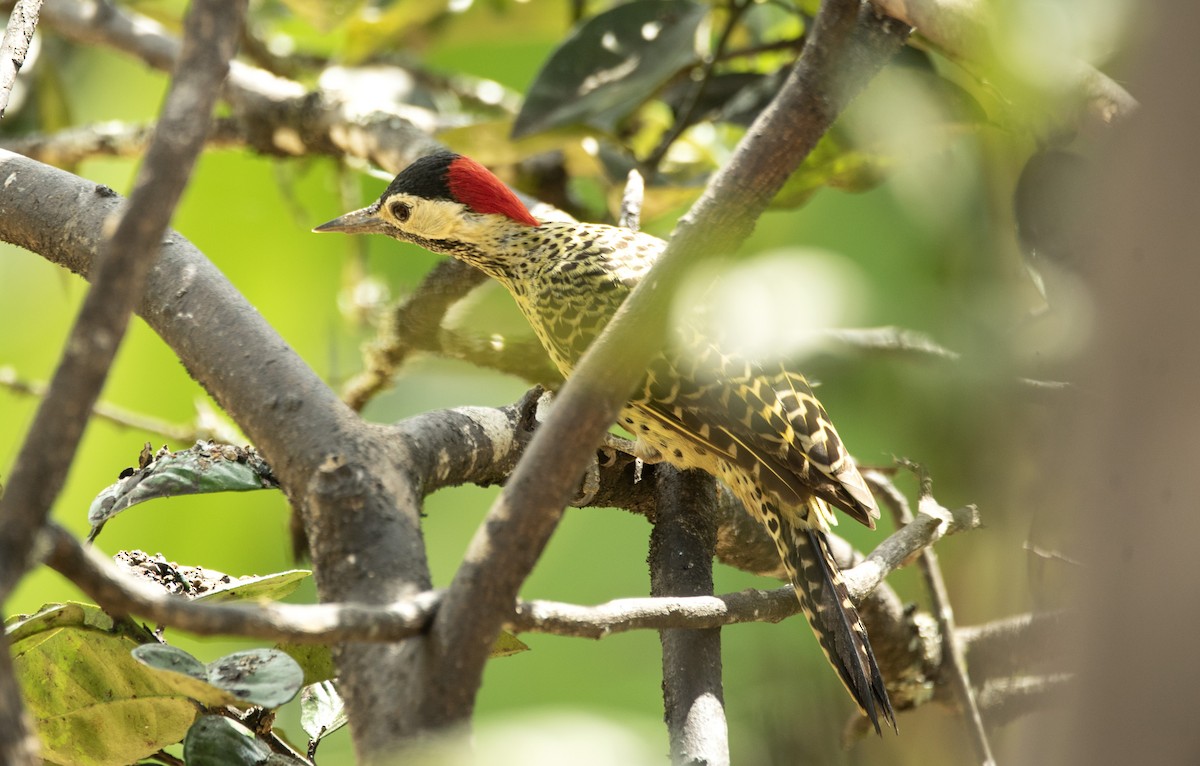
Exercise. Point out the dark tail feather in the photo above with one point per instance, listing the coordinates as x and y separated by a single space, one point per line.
826 603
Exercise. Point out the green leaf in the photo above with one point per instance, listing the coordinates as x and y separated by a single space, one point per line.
264 677
185 675
315 659
92 704
507 645
217 741
611 64
166 657
204 468
322 710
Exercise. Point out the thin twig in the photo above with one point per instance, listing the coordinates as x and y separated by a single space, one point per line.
412 325
962 29
107 412
18 34
953 664
70 146
687 110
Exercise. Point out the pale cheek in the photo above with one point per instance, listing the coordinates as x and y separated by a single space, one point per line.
436 224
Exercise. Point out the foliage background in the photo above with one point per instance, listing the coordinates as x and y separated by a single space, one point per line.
933 249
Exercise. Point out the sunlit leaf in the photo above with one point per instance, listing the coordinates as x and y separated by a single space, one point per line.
258 587
316 660
323 15
92 703
612 64
204 468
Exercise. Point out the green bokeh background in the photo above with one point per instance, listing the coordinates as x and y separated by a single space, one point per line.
954 273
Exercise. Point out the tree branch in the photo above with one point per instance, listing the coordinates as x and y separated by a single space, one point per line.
681 553
278 116
71 146
954 666
124 261
368 548
18 33
123 264
962 29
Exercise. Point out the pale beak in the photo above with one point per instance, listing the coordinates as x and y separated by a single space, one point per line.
365 221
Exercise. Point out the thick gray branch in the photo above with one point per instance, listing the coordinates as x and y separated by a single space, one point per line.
681 554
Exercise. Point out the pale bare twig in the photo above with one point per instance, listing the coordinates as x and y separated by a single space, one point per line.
18 34
106 412
953 665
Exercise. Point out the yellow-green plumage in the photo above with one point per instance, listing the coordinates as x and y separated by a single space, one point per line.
760 430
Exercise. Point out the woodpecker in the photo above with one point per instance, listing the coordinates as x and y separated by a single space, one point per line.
758 429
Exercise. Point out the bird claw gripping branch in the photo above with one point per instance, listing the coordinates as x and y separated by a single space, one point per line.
760 430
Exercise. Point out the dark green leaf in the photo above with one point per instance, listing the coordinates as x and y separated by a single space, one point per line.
206 467
611 64
217 741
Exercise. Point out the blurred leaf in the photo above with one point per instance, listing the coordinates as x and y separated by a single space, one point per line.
217 741
206 467
185 675
833 163
316 660
270 587
507 645
93 705
611 64
387 24
322 710
166 657
264 677
323 15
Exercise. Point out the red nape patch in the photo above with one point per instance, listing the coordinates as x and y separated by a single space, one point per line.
474 185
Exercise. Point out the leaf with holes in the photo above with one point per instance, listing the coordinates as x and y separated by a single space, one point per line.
611 64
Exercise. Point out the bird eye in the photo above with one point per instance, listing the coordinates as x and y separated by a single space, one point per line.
400 211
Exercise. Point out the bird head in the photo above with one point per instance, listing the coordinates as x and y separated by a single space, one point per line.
440 199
